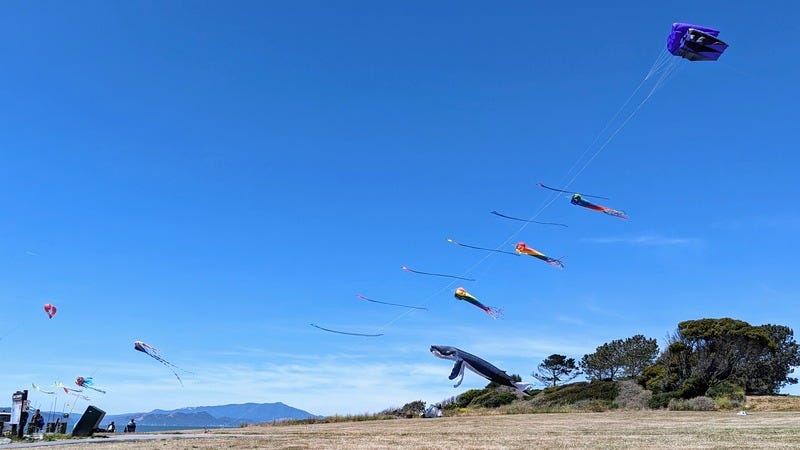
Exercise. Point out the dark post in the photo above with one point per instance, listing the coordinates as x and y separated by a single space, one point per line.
21 396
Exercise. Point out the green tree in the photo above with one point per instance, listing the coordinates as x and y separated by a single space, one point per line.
626 357
556 368
724 349
603 364
638 353
770 374
706 352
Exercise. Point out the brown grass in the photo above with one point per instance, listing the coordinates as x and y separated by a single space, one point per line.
619 429
773 403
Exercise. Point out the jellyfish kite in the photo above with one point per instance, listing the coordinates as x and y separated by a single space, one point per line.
523 249
153 353
87 383
462 294
695 42
50 310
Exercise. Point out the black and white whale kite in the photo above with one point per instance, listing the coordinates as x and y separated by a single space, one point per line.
467 360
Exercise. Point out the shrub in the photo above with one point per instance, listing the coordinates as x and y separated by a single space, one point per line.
593 405
532 392
723 403
414 408
493 399
727 395
632 396
660 400
693 404
466 398
702 404
653 378
692 387
575 392
678 404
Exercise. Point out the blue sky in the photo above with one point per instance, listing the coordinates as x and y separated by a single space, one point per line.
211 178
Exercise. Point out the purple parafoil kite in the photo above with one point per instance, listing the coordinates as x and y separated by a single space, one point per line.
695 42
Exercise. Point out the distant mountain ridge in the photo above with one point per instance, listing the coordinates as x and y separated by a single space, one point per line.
232 415
251 412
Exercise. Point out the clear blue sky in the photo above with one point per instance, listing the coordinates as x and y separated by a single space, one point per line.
212 177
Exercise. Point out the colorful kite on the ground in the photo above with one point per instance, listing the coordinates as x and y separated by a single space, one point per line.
50 310
344 332
525 250
695 42
436 274
153 353
462 294
87 383
387 303
526 220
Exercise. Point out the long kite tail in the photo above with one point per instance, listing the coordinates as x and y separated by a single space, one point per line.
615 213
462 294
154 354
169 366
600 208
176 375
480 248
494 312
436 274
571 192
526 220
554 262
345 332
387 303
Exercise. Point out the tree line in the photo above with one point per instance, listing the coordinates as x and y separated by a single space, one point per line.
702 356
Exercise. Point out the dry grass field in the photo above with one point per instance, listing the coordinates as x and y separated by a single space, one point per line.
618 429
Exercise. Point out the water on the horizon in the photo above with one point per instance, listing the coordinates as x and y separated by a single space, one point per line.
146 428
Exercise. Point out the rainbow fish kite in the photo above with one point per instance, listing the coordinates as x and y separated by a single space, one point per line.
523 249
578 200
462 294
